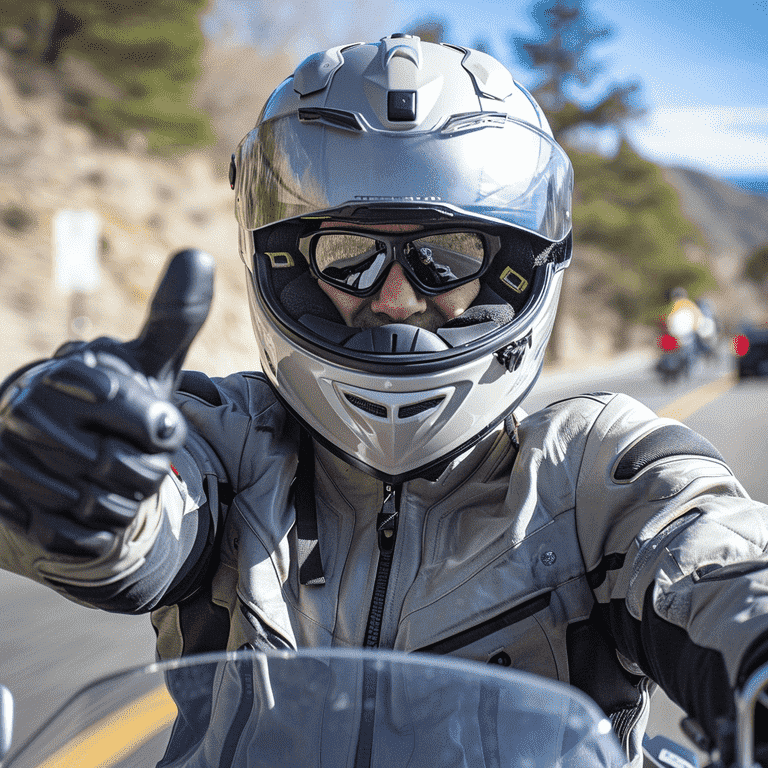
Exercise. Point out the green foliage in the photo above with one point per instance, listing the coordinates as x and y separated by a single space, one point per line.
560 52
147 50
624 207
756 265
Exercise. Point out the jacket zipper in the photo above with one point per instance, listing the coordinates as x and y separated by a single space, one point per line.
239 720
386 534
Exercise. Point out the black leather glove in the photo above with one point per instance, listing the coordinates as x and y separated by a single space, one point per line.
86 436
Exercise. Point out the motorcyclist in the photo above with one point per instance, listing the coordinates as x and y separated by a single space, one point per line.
377 483
692 323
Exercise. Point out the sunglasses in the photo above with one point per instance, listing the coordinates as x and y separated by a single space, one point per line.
435 262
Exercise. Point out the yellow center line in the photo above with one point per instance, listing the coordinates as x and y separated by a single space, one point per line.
684 407
118 735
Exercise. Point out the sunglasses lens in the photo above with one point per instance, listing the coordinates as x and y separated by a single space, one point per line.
350 260
355 262
441 259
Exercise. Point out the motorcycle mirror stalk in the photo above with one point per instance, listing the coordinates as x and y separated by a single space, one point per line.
6 722
755 691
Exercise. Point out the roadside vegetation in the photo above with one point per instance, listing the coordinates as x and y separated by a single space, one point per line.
127 68
624 208
756 266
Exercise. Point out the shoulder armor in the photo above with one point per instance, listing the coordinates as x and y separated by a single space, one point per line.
599 397
662 443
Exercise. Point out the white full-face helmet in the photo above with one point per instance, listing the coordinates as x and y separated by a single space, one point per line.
439 139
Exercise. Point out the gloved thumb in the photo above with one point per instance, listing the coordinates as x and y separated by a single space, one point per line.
177 311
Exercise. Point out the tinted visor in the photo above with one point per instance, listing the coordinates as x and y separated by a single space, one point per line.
435 262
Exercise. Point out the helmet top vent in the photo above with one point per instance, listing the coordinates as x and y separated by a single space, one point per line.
398 45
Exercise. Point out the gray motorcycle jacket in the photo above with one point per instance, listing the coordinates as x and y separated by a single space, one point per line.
591 542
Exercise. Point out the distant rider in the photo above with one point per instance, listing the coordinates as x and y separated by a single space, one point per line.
693 327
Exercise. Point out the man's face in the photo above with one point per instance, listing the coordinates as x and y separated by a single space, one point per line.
398 301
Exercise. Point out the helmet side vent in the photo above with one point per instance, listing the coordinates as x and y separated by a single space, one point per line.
375 409
316 71
406 411
338 118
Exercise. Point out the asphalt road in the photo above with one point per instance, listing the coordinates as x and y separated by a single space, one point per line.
50 647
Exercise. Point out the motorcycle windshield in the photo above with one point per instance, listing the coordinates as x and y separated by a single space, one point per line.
331 708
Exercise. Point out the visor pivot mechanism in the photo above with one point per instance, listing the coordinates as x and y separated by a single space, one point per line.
512 355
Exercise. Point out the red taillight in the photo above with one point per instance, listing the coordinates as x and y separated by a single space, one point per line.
667 342
740 345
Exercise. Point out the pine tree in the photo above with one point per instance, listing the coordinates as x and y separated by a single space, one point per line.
561 52
148 50
622 204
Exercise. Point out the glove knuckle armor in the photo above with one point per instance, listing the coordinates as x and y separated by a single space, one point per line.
83 440
101 509
129 472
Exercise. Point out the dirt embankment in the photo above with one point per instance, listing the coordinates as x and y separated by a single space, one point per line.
148 208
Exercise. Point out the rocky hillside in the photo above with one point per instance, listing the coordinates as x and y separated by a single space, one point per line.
150 207
732 220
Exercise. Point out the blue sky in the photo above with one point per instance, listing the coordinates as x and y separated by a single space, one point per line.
703 67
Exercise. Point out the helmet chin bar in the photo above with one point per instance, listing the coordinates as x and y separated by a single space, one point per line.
429 471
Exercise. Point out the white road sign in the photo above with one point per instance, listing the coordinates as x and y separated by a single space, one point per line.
76 250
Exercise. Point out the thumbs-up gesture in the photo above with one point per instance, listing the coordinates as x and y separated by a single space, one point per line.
86 436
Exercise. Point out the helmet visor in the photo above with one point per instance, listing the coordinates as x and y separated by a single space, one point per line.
487 165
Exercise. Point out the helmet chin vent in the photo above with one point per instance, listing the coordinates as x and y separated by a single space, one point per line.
403 412
366 405
396 338
407 411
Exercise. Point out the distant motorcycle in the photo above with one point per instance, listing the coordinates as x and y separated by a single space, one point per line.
681 345
678 357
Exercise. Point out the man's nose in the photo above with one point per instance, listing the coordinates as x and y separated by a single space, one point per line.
397 299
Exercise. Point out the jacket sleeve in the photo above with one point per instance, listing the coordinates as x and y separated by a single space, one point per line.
158 556
168 552
677 554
